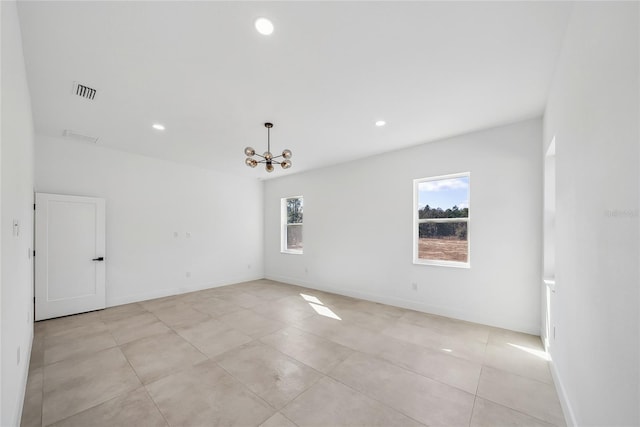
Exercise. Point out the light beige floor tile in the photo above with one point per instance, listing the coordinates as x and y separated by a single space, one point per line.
278 420
251 323
160 355
447 326
213 337
74 385
215 307
317 352
181 314
37 352
375 308
319 325
244 299
454 344
133 328
128 409
412 357
214 398
272 292
364 319
419 335
65 324
77 331
160 303
358 338
520 360
119 312
284 314
275 377
63 346
295 301
504 336
329 403
532 397
345 334
489 414
440 366
418 397
32 407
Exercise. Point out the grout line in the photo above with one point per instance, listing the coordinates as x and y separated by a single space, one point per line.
144 386
386 405
473 408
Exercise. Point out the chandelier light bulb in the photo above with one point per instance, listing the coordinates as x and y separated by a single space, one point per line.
269 167
286 164
286 154
249 151
267 155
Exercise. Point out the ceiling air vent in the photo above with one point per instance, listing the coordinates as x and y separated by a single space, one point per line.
84 91
79 136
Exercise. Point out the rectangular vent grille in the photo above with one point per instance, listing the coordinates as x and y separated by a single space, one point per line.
80 136
84 91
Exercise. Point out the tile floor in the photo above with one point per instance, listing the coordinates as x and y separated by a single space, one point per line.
265 353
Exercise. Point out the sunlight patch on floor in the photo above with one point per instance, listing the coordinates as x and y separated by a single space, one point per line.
538 353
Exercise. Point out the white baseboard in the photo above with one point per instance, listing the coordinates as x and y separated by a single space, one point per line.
25 377
403 303
160 293
569 416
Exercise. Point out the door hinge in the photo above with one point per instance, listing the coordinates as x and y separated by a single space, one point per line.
34 206
34 300
34 253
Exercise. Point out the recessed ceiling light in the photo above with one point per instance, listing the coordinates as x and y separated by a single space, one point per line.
264 26
380 123
158 126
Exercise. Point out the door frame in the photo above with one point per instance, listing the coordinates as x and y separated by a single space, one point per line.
43 308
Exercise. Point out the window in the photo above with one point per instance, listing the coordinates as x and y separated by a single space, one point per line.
291 238
441 224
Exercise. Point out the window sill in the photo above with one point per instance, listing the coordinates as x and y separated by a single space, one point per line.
454 264
292 252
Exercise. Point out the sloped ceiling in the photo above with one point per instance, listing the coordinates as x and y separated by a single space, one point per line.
326 74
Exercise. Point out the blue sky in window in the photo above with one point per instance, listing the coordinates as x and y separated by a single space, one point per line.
444 193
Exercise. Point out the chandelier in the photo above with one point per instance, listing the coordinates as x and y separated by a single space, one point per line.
267 158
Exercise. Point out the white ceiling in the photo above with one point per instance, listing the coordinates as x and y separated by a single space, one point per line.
327 73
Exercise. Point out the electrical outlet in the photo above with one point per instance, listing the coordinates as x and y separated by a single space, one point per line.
306 270
175 234
414 286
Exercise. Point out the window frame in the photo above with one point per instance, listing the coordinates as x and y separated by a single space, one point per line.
284 224
417 221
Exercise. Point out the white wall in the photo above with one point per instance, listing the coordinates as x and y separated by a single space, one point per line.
147 200
16 203
593 113
358 228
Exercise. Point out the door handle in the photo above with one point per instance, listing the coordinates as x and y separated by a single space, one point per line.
101 258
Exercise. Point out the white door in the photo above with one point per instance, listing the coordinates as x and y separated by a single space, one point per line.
70 251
